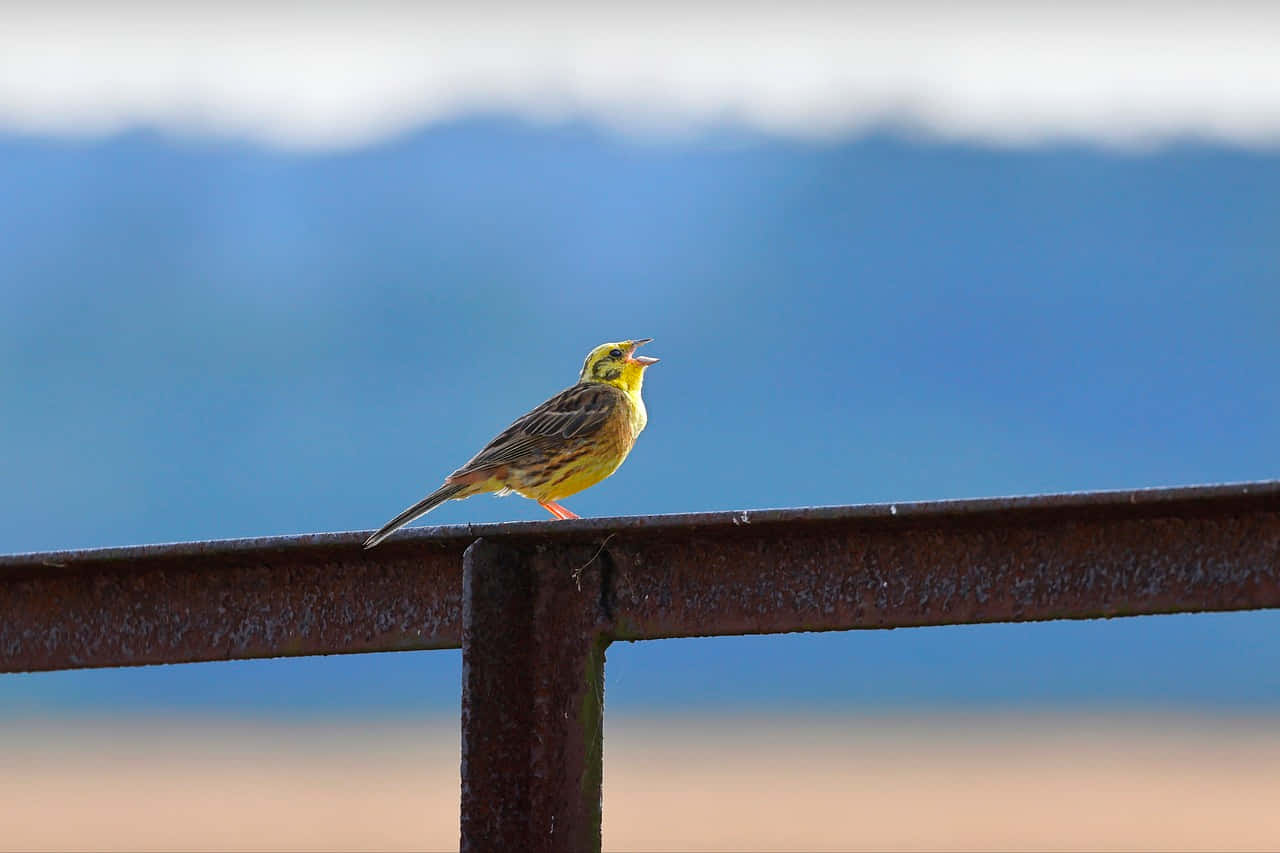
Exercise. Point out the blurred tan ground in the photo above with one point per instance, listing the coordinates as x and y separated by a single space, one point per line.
1059 782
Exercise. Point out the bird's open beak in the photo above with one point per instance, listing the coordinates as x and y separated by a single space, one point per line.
642 360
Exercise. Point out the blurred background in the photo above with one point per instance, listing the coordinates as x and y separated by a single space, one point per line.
275 269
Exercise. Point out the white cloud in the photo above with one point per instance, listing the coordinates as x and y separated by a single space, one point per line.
300 75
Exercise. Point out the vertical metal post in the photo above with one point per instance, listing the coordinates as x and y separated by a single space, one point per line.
533 648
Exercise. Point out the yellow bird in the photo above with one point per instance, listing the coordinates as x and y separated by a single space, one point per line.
567 444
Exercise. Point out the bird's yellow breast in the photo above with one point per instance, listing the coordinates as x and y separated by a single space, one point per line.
583 467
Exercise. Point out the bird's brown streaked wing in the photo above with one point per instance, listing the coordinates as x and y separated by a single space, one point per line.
573 415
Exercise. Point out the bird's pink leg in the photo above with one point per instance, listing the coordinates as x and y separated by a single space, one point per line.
568 513
557 510
548 506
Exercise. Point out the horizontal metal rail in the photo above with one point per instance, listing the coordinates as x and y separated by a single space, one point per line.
534 606
1014 559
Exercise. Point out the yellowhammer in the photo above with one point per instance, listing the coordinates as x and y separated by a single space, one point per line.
567 444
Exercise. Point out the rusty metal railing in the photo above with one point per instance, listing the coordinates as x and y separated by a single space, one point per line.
535 605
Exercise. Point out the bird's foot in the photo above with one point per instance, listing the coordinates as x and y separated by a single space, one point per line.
557 510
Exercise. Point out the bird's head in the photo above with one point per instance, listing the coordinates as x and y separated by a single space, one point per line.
617 364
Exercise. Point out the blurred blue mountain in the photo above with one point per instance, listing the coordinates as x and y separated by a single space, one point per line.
207 339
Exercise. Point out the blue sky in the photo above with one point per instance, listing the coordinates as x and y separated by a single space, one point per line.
212 334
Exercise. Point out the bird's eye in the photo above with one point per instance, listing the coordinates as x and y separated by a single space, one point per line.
615 353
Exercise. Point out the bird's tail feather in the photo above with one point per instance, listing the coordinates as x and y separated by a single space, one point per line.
419 509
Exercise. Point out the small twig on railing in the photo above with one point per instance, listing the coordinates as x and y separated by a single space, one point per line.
577 573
